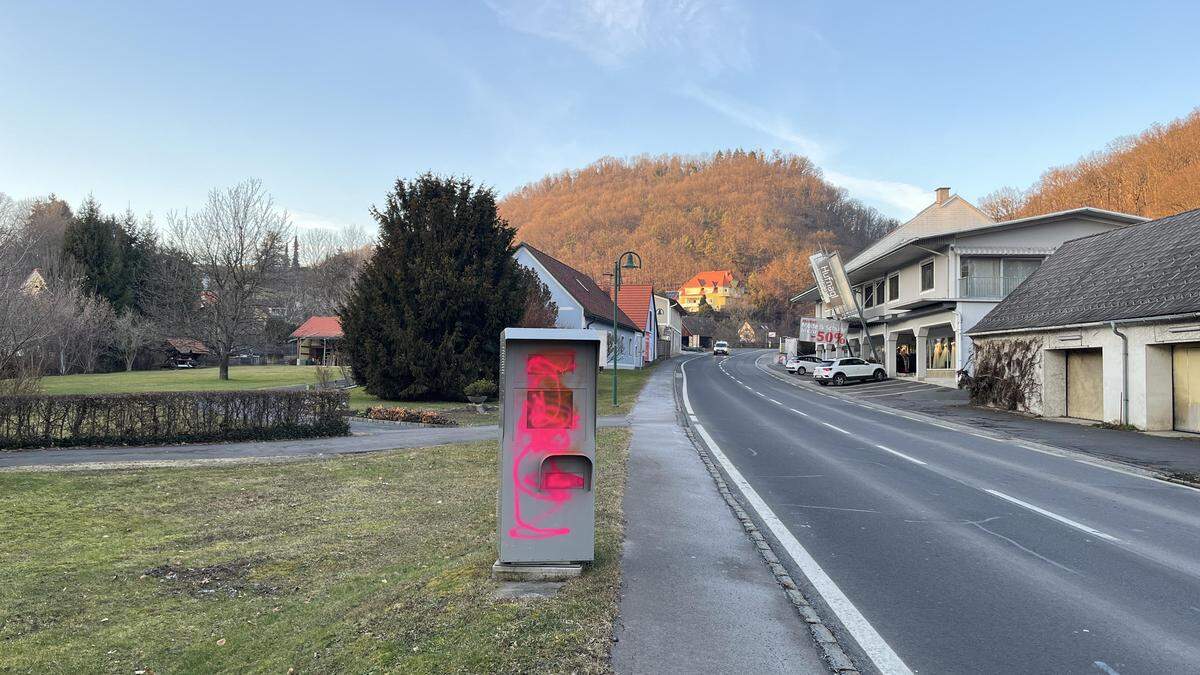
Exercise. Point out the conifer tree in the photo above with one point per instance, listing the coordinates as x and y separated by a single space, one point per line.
424 317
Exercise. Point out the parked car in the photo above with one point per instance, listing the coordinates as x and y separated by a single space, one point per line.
720 348
803 364
840 371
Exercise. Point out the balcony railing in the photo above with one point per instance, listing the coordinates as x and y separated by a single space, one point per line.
987 287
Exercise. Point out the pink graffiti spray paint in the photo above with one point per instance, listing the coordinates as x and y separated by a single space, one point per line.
544 428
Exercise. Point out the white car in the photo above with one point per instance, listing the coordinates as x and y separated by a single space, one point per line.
802 365
840 371
720 348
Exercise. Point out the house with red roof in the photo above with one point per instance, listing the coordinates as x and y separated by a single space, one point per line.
715 287
317 341
637 302
582 304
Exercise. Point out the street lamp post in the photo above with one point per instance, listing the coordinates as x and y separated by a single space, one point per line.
630 261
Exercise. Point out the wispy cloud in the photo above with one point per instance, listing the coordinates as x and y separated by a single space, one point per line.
709 33
902 198
755 118
907 199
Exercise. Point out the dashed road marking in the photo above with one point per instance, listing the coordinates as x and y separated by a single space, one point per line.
835 428
901 455
1053 516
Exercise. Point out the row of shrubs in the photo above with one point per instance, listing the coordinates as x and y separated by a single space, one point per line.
408 415
170 417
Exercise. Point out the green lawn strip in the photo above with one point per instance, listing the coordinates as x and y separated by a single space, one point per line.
198 379
629 385
362 564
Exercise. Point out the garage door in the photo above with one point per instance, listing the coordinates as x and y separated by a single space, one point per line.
1085 384
1187 387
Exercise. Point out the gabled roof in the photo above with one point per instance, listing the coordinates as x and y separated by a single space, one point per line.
635 301
698 325
1141 271
327 327
187 346
710 279
595 302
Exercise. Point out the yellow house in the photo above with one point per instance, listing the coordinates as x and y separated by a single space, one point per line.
717 287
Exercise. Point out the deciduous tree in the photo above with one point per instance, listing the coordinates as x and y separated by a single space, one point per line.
237 245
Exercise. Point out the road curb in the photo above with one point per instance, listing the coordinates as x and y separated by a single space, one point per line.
1037 446
835 656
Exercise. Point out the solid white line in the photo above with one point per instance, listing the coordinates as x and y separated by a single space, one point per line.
835 428
901 455
877 649
1048 514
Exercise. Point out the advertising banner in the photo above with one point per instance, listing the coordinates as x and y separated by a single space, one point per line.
827 331
832 283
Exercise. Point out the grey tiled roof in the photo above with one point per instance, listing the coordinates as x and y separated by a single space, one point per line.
1146 270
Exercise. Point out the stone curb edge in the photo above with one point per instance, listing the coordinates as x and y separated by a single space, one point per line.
835 656
1036 446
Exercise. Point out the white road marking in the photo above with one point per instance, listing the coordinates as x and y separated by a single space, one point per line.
798 412
774 401
877 649
1049 514
901 455
835 428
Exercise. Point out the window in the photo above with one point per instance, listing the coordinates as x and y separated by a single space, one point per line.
879 292
993 277
869 295
893 284
927 276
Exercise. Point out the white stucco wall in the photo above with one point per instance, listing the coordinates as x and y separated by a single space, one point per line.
1150 369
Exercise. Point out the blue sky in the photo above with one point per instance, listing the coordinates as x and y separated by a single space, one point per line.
150 105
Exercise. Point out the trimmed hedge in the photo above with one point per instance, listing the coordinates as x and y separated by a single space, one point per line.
170 417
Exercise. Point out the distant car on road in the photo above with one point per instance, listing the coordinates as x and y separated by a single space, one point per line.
840 371
804 364
720 348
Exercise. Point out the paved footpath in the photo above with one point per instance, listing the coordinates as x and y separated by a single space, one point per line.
695 595
365 437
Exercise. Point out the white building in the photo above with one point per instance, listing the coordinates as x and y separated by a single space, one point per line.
583 304
669 314
1113 323
923 286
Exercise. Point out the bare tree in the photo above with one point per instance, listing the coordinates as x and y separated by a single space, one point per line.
238 244
131 333
24 324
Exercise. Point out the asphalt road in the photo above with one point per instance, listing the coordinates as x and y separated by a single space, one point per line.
940 551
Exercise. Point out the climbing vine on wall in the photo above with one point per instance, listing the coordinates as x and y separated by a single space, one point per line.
1005 373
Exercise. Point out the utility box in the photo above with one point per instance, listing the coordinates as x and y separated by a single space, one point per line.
547 445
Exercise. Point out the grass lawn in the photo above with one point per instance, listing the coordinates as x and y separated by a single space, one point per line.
629 385
198 379
352 564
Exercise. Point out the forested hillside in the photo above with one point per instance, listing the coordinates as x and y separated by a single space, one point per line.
1154 174
761 214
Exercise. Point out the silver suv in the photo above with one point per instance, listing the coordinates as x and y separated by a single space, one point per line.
720 348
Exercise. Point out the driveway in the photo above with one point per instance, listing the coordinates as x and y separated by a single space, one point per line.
365 437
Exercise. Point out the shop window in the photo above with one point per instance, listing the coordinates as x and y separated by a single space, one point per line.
941 353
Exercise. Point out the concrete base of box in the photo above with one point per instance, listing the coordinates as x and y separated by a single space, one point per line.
535 571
